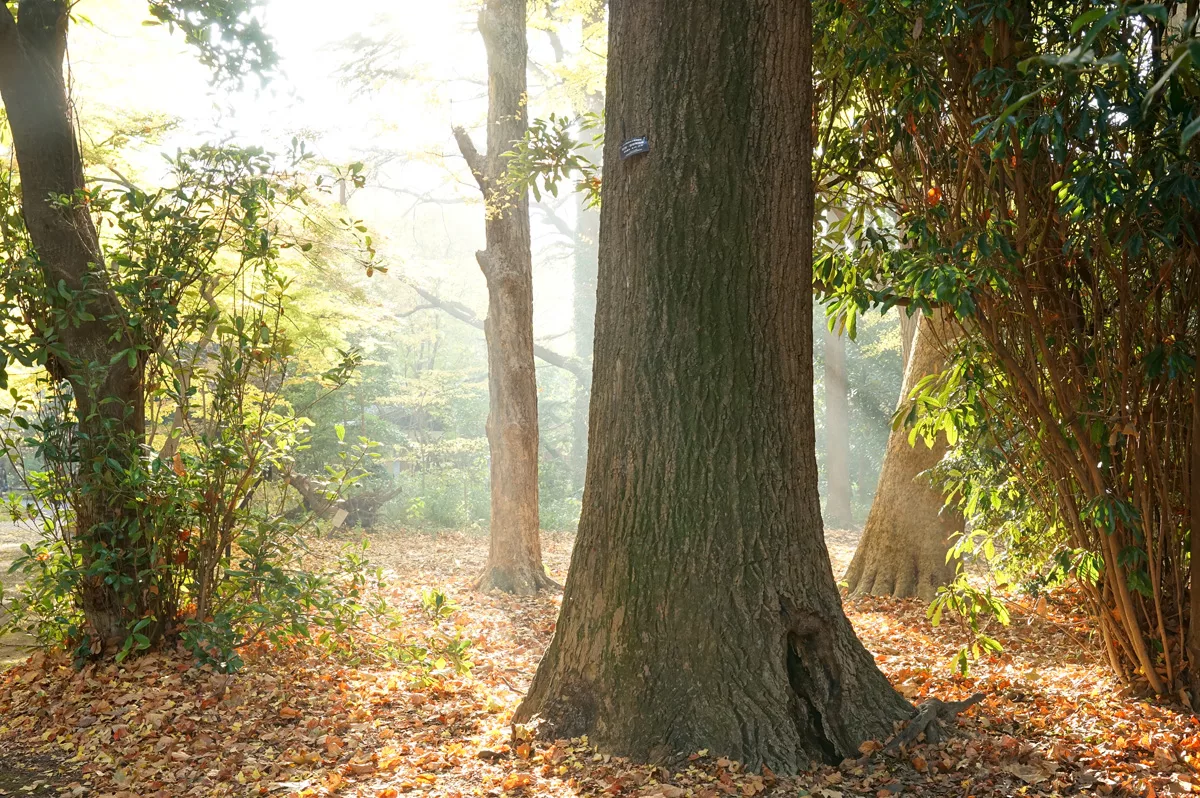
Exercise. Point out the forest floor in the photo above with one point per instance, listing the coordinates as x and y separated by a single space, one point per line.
296 723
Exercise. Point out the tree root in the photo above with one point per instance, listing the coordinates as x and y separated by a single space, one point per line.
928 720
516 581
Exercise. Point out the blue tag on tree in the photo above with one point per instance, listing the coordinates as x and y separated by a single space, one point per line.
636 146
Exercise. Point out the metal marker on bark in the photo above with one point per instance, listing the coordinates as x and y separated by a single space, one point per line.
638 146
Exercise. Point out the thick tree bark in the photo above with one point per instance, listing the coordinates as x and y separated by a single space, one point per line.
838 511
515 556
83 334
701 610
907 534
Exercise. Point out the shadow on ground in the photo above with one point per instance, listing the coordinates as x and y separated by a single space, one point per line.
29 773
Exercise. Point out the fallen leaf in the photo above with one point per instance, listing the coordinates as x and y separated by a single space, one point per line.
517 781
1026 773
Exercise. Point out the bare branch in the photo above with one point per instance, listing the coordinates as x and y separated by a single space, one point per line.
464 314
555 221
475 161
184 371
485 261
415 310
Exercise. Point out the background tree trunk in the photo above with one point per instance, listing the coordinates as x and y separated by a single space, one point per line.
587 239
84 334
1193 517
587 248
700 610
907 534
515 556
838 511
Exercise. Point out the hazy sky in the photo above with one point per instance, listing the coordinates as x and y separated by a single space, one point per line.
120 65
118 60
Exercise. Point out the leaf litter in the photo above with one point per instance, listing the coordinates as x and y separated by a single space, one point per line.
298 723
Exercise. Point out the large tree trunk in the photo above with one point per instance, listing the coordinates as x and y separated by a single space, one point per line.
701 610
515 557
838 512
907 534
83 335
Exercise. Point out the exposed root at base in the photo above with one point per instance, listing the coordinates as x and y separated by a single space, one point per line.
928 720
517 583
897 580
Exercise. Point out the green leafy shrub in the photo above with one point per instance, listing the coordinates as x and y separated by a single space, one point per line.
172 527
1031 170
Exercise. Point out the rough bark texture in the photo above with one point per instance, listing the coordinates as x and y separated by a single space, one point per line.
515 556
108 395
838 511
701 610
907 534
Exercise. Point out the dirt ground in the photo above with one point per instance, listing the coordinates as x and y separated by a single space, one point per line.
414 559
13 648
841 544
296 723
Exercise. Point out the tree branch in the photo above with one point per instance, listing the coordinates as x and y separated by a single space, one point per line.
415 310
897 301
486 262
464 314
555 222
184 372
475 161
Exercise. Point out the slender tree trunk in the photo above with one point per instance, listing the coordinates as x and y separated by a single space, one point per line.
587 248
1193 515
515 556
701 610
907 534
587 239
83 334
838 512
